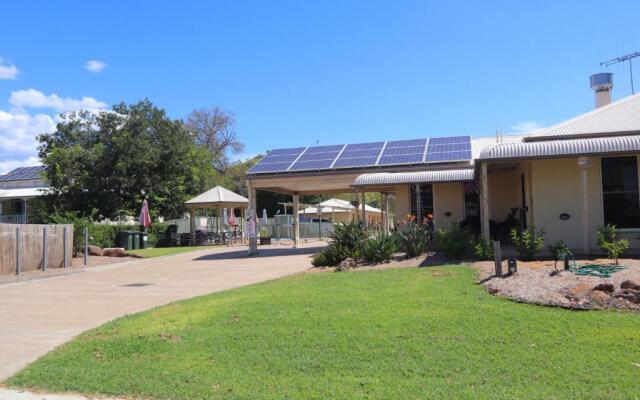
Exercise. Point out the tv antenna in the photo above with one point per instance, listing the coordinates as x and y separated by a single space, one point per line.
622 59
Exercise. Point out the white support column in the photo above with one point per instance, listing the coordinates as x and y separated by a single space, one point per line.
584 163
251 213
385 205
296 221
356 211
484 202
363 205
419 215
242 232
192 222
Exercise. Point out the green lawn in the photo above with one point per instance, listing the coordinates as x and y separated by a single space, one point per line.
428 333
165 251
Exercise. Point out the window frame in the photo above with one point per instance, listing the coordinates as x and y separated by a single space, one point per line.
637 157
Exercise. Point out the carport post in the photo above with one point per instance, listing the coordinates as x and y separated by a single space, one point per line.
18 250
192 225
484 202
45 248
385 205
251 214
363 204
296 221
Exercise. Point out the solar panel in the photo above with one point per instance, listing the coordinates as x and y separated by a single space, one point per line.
449 149
23 173
277 160
359 155
355 162
395 152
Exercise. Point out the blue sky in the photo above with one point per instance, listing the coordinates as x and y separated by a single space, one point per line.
298 72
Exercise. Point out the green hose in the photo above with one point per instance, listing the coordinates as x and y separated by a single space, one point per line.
601 271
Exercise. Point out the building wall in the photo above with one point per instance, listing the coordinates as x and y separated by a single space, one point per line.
447 198
402 202
504 193
556 190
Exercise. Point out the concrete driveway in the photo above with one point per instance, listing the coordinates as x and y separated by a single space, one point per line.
36 316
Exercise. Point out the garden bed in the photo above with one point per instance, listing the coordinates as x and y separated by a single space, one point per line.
534 283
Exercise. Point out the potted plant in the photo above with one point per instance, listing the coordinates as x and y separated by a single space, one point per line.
265 238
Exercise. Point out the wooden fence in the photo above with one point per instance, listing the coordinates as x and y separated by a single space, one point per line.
31 247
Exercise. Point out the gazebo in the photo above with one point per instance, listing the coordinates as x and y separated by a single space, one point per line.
217 198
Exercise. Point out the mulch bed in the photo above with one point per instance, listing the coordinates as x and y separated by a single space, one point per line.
536 283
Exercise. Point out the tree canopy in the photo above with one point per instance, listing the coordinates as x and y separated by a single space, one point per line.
102 165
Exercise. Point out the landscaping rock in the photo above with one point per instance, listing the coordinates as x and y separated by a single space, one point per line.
604 287
95 251
346 264
578 292
600 297
628 294
114 252
629 284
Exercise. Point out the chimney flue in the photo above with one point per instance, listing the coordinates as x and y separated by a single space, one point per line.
602 84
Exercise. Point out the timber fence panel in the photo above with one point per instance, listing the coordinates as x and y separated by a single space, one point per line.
32 247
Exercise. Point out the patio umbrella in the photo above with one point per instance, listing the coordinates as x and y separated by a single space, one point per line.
145 218
264 216
224 217
232 217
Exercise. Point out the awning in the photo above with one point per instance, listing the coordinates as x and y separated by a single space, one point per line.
558 148
390 178
218 197
22 193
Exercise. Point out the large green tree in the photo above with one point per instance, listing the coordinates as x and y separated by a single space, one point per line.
102 165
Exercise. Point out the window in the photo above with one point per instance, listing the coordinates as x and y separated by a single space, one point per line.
621 200
426 200
13 207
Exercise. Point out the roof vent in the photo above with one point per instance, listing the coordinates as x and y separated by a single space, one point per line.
602 84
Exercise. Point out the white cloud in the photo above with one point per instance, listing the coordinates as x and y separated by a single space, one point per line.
8 71
525 127
19 128
18 132
31 98
95 66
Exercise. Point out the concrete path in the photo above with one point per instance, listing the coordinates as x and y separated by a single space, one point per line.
36 316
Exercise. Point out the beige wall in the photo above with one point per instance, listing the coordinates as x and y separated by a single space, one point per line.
447 198
504 192
556 190
403 203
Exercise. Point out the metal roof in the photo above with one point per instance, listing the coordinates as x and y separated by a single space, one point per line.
478 145
22 193
391 178
615 119
23 174
556 148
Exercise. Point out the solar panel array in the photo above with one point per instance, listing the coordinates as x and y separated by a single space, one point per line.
449 149
397 152
24 173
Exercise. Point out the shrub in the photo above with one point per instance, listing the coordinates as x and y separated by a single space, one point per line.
413 239
380 247
349 239
559 250
456 242
329 256
483 249
610 242
527 242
